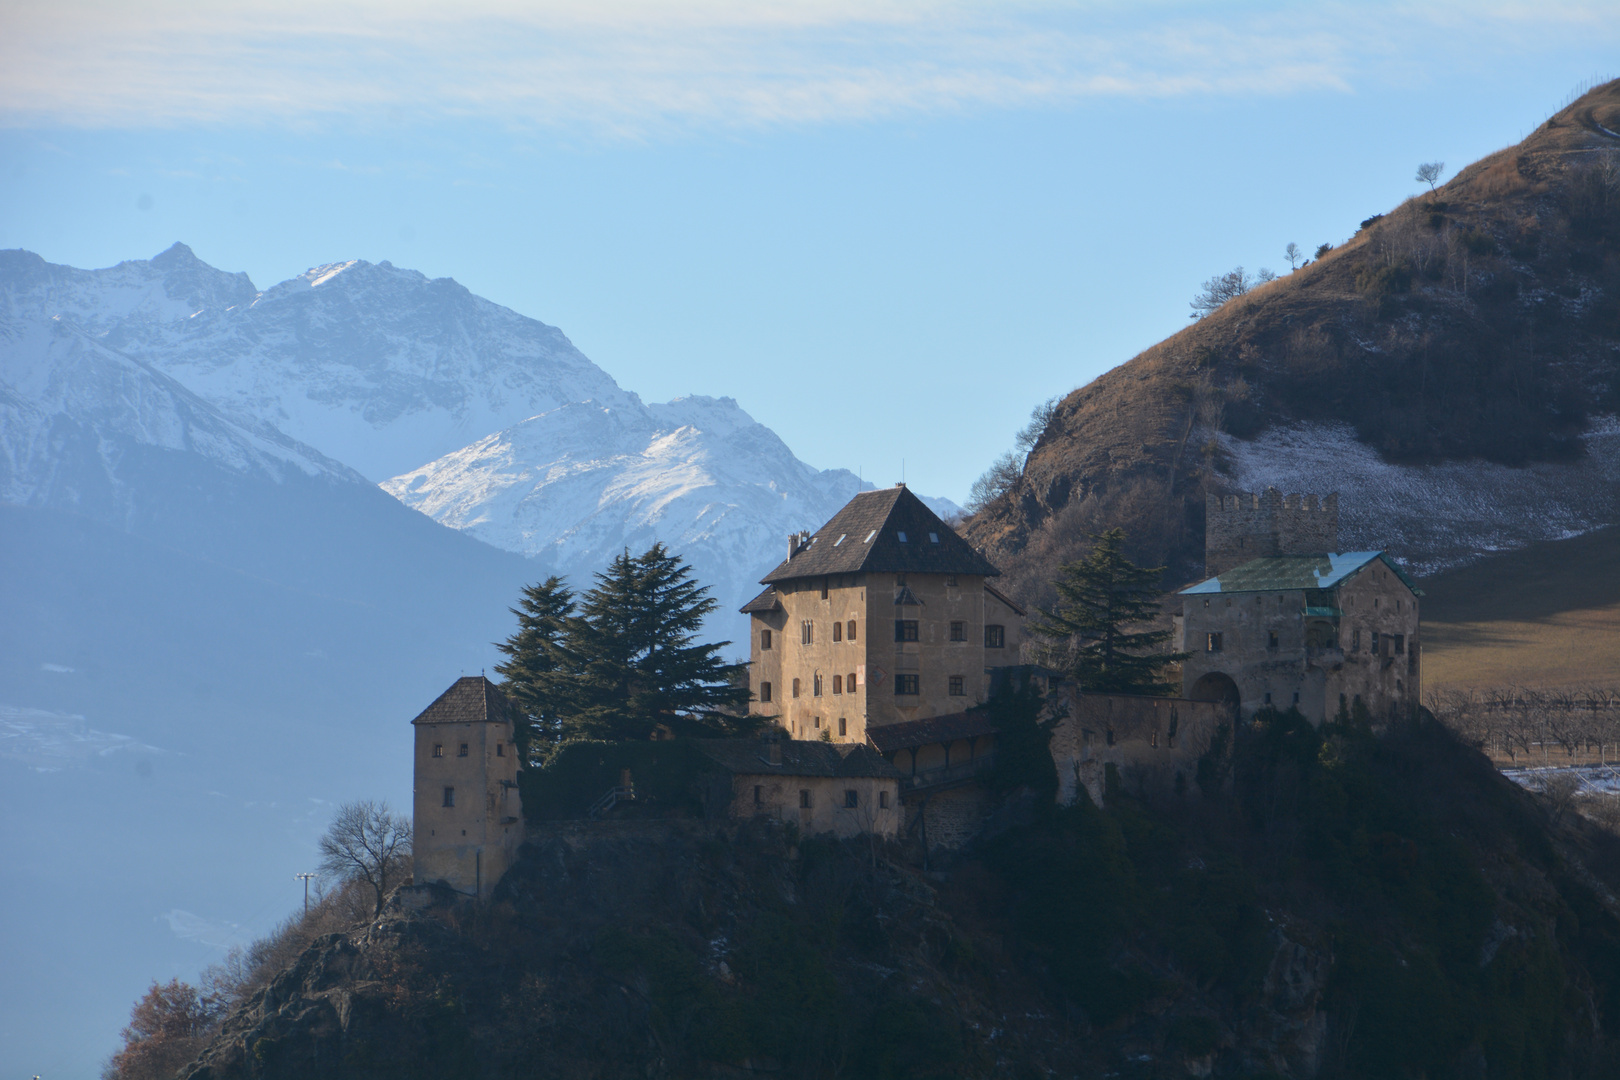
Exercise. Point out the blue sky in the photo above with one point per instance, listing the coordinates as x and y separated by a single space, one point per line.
857 219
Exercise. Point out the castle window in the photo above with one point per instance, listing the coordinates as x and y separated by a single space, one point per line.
818 723
795 687
449 796
765 691
759 794
438 749
956 686
1153 740
1400 644
804 798
500 749
463 751
1296 697
995 637
959 630
842 726
815 685
1206 603
852 798
1375 643
883 800
905 685
905 629
1355 641
838 631
765 640
1375 601
824 584
838 684
1271 639
850 633
1212 642
807 633
1268 697
950 581
1108 736
849 682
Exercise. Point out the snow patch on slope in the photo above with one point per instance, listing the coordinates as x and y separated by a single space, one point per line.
1435 516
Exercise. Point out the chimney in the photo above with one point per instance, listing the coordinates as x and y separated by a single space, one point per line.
793 545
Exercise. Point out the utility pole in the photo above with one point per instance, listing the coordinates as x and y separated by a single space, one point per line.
305 878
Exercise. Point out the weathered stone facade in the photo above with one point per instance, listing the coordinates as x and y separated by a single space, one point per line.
1260 525
1151 741
1257 638
844 791
467 815
884 615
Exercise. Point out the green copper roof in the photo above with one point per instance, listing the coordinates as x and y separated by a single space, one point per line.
1287 572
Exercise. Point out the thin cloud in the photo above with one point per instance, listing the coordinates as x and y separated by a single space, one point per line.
630 68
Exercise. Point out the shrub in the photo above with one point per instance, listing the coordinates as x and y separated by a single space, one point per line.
1369 222
1479 242
1385 280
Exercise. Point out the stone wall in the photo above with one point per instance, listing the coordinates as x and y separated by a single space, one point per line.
1148 739
468 845
1252 525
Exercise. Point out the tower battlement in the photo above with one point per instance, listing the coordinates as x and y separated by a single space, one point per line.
1258 525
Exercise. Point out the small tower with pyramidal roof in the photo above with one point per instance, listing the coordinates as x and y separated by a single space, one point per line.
467 814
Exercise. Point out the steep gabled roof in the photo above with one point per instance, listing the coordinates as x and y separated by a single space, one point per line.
799 758
865 536
764 602
471 699
1287 572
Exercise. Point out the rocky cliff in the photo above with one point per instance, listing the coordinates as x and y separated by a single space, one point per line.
1334 905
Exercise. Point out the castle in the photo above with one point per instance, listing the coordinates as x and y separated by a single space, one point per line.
1287 620
876 640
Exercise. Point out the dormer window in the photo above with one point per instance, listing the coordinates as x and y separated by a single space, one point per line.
869 536
933 538
901 536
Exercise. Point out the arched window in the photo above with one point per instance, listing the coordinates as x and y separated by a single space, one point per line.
795 687
849 682
838 682
852 629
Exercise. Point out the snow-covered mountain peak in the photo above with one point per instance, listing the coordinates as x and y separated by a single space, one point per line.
719 416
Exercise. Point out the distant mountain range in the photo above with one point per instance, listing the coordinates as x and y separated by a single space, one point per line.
485 420
1453 370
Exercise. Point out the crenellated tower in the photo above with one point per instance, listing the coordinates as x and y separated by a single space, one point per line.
1258 525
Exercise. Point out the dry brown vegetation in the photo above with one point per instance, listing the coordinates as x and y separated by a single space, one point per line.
1476 321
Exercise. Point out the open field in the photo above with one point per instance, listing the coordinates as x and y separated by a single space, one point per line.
1545 616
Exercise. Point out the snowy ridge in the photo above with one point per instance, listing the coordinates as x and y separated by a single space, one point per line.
378 367
1435 516
72 413
575 485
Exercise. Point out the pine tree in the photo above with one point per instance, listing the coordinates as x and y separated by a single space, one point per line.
1094 631
621 660
536 659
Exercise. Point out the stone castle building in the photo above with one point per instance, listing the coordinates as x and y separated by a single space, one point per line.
466 812
1296 622
883 615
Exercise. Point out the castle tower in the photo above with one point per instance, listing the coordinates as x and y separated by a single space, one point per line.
467 814
1261 525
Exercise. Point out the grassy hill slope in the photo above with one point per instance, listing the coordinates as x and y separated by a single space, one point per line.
1481 322
1544 616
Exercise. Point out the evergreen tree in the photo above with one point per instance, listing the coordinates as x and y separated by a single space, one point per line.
535 660
621 660
1095 631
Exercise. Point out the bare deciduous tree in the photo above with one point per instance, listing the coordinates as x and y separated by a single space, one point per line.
999 478
1218 290
368 842
1294 255
1429 172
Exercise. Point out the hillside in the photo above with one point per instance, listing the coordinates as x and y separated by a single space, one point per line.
1343 906
1451 370
1547 615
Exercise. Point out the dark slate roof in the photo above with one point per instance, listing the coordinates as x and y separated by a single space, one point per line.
1287 572
799 758
470 700
865 537
765 601
887 738
1005 599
